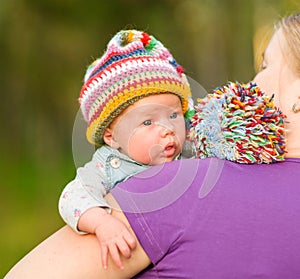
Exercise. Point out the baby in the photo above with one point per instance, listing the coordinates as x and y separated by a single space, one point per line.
134 99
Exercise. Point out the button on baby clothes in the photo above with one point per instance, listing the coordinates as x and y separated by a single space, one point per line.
115 163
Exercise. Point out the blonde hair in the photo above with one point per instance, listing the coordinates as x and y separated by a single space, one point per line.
261 40
290 27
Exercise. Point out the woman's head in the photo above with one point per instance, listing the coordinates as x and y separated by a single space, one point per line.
280 69
280 75
290 27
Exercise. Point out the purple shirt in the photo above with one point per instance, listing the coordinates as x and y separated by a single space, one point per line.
216 219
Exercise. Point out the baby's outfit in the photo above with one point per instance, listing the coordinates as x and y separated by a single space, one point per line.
107 168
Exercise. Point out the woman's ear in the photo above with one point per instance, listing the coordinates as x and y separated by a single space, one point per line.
109 139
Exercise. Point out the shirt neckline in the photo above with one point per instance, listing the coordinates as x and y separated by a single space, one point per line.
295 160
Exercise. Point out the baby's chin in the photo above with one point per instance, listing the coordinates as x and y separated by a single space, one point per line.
160 161
159 155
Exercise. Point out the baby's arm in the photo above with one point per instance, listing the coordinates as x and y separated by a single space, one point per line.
112 234
83 207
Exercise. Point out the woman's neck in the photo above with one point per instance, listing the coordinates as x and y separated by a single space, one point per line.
293 146
293 153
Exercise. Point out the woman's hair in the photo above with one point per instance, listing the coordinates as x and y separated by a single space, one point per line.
290 27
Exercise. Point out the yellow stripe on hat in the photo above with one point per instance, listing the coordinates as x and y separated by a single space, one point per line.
118 103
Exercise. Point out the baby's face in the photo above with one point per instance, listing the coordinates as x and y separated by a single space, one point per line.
152 130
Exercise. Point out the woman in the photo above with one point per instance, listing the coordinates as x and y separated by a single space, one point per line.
211 218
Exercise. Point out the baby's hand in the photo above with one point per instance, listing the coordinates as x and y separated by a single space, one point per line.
114 238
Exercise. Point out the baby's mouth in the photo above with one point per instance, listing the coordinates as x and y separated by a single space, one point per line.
170 149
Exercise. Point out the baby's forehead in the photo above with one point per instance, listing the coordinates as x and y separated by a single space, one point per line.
150 106
148 109
153 108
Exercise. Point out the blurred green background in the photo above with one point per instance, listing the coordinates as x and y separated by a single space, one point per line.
45 48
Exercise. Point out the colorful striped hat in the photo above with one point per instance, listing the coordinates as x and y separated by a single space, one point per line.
135 65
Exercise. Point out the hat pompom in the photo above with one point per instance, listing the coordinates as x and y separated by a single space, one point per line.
238 122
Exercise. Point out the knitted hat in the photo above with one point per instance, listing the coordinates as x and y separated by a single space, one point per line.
238 122
135 65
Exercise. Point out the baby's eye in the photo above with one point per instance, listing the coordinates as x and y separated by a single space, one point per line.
147 122
173 115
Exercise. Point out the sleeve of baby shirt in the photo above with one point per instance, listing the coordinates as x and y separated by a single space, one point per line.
86 191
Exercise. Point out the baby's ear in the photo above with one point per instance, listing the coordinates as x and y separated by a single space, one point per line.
109 139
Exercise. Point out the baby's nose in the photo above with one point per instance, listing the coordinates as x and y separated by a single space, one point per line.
167 129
